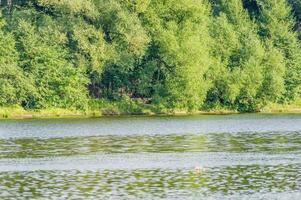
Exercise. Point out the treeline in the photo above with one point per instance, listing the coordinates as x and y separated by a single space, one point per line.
174 54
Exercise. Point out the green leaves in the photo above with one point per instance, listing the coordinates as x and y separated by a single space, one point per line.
14 85
238 54
255 53
45 60
72 7
276 25
176 54
180 36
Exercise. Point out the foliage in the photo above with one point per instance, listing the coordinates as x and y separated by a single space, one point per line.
15 87
172 54
179 31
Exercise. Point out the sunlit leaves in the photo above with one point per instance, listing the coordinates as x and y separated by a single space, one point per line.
14 85
180 34
176 54
86 7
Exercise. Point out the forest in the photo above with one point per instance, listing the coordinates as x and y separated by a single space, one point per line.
169 54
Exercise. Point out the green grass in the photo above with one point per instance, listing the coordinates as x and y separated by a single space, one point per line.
15 112
11 112
98 108
293 107
123 107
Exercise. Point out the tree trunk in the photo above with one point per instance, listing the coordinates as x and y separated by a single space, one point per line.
9 4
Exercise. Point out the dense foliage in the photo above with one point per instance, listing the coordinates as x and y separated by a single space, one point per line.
174 54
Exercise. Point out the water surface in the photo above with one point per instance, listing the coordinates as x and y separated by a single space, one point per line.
240 157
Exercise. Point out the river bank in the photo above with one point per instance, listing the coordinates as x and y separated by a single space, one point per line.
20 113
122 109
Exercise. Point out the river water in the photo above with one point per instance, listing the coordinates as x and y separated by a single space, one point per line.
196 157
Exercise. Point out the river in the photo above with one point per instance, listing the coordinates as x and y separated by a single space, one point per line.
251 156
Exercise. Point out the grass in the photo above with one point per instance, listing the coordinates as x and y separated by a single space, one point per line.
16 112
294 107
11 112
98 108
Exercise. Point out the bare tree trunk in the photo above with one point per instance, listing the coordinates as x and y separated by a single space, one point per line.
9 4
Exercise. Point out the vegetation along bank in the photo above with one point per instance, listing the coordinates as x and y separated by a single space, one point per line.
96 57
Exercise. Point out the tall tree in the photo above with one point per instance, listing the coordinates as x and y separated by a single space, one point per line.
44 58
15 87
277 26
180 48
239 54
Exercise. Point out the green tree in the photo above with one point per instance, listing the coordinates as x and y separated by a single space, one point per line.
14 85
44 58
127 42
238 54
180 45
277 26
176 54
272 87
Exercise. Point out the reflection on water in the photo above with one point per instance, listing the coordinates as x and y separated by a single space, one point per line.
240 157
155 183
281 142
46 128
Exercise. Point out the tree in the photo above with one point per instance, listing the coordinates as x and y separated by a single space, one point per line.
277 26
180 51
238 54
127 41
15 87
175 54
44 58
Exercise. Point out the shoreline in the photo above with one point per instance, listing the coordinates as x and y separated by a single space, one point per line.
20 113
